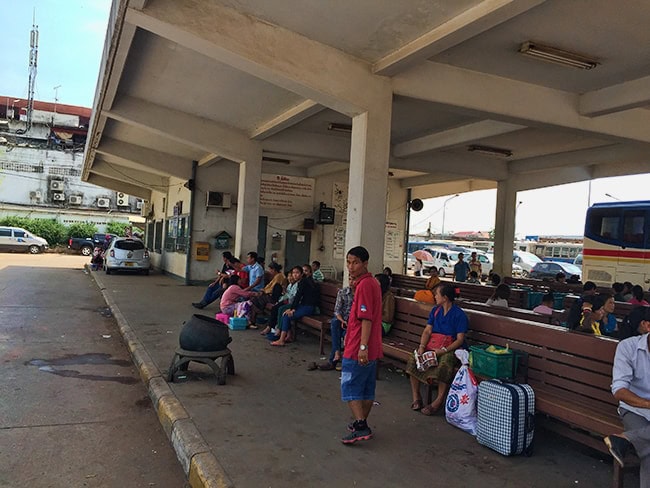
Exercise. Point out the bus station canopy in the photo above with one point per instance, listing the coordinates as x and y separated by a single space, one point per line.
195 80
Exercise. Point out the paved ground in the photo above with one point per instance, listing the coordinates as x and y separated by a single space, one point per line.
73 410
276 424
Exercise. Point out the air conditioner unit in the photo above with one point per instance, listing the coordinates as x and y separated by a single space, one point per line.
103 202
139 203
74 200
218 199
145 209
122 199
58 197
36 195
56 185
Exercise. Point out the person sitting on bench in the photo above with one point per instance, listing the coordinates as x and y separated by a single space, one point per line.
500 296
631 387
546 307
303 303
338 326
443 334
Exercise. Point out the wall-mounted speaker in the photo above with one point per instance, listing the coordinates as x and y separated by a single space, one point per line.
417 205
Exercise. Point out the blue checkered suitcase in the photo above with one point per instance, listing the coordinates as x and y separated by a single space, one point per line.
506 417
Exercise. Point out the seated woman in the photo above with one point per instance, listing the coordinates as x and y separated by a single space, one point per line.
637 297
303 303
591 315
232 295
546 307
443 334
388 272
473 278
500 296
269 294
387 303
609 324
426 295
278 308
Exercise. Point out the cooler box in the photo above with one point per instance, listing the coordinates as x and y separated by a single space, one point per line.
222 317
237 323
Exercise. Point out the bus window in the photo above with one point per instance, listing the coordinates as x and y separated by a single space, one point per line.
604 224
633 225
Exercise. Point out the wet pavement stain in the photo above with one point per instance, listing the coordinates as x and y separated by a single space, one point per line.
47 366
70 373
89 358
144 403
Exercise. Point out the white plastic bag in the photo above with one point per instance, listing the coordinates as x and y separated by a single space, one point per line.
460 408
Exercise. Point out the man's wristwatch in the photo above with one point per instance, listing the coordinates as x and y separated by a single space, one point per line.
363 347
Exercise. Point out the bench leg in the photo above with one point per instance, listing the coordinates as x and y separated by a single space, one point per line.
172 369
617 475
322 341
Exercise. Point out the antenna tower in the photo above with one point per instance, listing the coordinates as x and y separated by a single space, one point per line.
33 61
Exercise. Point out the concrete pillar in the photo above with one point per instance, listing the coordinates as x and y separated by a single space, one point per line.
248 204
504 229
368 183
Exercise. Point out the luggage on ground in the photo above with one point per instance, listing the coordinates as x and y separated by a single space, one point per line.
506 417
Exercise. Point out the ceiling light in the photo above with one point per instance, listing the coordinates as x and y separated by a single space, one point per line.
270 159
557 56
490 151
339 127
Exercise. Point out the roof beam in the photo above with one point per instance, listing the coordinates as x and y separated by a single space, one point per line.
309 144
559 176
616 98
117 185
450 187
585 157
454 137
621 169
327 169
132 176
144 158
473 21
430 179
198 132
286 119
468 166
266 51
515 101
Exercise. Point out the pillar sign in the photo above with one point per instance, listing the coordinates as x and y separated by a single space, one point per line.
287 192
223 240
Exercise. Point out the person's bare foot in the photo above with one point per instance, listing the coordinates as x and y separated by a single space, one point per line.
265 331
277 343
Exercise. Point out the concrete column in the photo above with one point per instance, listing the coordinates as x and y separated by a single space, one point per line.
248 204
368 183
504 229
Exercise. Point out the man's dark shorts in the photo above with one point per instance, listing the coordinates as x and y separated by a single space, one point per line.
357 381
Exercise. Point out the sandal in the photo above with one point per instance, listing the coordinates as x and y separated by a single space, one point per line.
326 366
416 405
312 366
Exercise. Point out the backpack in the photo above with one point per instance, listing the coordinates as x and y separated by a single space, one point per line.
630 325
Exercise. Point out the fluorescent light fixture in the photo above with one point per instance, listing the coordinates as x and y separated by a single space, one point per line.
347 128
557 56
490 151
270 159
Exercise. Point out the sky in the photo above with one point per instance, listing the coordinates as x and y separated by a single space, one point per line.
71 41
557 210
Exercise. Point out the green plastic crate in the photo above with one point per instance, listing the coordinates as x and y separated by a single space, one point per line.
491 365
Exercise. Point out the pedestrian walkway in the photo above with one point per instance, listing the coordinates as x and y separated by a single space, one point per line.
277 424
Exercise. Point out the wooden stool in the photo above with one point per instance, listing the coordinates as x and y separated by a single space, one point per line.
182 358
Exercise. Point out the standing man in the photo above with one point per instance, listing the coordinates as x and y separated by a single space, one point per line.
362 346
255 273
631 387
461 269
475 265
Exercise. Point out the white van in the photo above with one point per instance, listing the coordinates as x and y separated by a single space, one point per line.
17 239
526 260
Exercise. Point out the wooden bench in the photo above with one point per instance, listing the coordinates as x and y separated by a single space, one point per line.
320 324
518 313
621 309
569 371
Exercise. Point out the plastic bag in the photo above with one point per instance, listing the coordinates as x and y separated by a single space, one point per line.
460 408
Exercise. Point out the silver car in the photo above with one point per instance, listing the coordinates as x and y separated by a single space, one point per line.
127 254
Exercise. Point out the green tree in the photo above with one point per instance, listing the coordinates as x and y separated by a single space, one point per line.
117 228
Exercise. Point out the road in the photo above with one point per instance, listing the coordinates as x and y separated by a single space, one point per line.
73 411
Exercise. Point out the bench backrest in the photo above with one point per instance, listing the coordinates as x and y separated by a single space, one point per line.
518 313
567 364
328 292
621 310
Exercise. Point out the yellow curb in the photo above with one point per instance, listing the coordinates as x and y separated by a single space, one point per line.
158 388
206 472
169 411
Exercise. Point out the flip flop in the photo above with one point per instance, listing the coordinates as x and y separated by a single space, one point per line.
416 405
277 344
326 366
312 366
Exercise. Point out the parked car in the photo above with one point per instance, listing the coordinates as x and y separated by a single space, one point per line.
443 261
85 245
20 240
548 270
410 261
127 254
527 261
578 261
